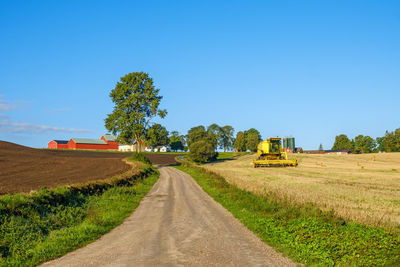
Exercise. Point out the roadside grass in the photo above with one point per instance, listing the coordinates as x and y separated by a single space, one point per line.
49 223
303 232
230 155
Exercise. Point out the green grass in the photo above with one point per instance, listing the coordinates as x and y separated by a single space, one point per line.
230 155
50 223
163 153
304 233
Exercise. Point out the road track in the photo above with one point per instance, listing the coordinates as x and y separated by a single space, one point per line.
176 224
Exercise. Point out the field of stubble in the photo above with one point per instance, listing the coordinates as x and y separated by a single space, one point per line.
363 188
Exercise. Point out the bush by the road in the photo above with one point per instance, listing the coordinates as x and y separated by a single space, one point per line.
202 151
140 157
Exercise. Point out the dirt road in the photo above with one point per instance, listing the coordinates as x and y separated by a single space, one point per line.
176 224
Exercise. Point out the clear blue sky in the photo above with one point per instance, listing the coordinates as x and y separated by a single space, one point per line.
311 69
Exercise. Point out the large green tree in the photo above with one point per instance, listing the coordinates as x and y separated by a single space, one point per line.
240 142
380 143
227 139
157 135
175 141
343 142
199 133
196 134
215 131
252 142
392 141
365 144
253 138
253 131
136 103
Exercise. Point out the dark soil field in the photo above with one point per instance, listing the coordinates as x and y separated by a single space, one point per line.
23 169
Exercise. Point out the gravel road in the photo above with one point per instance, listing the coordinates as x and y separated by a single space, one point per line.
176 224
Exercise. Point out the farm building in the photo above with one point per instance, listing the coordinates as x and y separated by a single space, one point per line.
335 151
111 140
162 149
83 143
107 142
132 148
58 144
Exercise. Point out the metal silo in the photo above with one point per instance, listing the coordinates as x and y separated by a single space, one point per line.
285 142
291 143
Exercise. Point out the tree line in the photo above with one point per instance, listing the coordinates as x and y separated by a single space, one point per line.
203 142
390 142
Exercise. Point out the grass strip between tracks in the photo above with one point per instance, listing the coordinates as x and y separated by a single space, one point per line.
304 233
47 224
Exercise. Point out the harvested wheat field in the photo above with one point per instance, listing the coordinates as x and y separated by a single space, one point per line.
363 188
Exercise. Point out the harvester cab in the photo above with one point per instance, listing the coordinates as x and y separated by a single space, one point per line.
270 154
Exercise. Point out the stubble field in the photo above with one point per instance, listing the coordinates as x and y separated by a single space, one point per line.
363 188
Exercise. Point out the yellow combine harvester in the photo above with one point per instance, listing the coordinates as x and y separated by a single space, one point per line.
270 154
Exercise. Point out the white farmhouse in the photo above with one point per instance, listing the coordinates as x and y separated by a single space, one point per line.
164 149
125 148
131 148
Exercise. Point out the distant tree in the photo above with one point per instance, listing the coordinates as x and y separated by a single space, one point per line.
199 133
343 142
321 148
215 133
175 141
253 138
240 142
215 129
392 141
202 151
227 138
184 142
196 134
136 103
365 144
380 142
157 135
252 142
253 131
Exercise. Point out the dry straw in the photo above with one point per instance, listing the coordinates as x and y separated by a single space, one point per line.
363 188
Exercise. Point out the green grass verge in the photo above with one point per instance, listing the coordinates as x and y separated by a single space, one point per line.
230 155
47 224
304 233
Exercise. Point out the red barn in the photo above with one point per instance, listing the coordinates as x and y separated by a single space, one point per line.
58 144
111 140
83 143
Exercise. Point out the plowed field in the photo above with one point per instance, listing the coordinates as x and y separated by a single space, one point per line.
23 169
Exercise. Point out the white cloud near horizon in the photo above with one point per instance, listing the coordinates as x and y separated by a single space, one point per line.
4 104
7 125
11 126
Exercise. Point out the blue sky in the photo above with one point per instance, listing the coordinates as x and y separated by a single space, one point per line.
310 69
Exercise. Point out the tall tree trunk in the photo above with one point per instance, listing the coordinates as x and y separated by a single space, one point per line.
136 147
